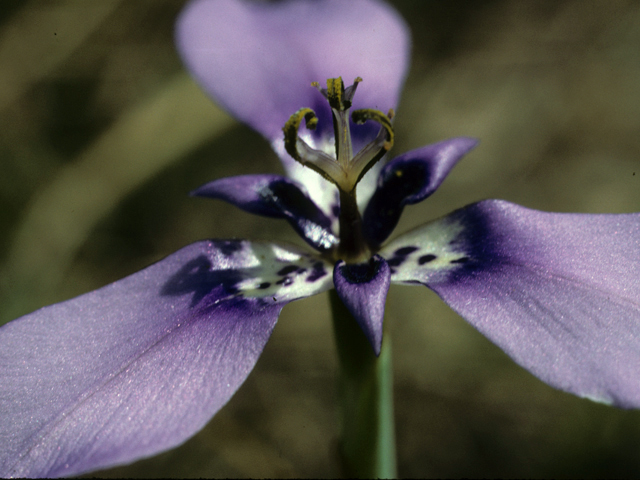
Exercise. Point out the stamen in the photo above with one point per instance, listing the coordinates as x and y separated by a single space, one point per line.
340 102
345 170
335 93
299 150
339 97
291 129
350 91
371 153
361 116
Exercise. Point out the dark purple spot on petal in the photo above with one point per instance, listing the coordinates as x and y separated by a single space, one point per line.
264 285
460 260
361 272
426 259
396 261
287 270
229 248
317 272
404 251
196 277
335 210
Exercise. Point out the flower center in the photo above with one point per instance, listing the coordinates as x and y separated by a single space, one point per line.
344 170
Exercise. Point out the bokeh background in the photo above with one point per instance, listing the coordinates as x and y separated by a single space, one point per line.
103 134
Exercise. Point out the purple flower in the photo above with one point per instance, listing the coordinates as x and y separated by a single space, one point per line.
140 365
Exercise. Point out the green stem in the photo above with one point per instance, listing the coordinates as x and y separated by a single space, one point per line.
365 390
352 244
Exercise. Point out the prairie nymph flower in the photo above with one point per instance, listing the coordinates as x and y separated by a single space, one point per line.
142 364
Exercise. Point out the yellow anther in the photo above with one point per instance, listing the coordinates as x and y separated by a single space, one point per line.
291 129
335 93
361 116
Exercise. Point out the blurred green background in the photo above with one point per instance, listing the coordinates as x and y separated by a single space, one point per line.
103 134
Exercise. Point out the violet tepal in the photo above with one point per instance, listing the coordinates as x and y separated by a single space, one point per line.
139 366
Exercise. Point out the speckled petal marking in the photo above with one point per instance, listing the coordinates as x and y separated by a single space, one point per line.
139 366
427 254
409 179
558 292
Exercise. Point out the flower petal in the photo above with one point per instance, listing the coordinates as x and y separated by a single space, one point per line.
140 365
258 61
557 292
275 196
363 290
409 179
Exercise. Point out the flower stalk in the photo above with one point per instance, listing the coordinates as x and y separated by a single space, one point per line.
352 244
365 399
